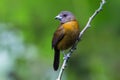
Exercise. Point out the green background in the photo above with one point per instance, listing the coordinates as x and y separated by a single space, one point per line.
26 31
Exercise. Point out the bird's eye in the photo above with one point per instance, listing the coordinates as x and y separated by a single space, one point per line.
64 15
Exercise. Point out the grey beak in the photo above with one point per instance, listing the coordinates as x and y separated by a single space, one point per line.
58 17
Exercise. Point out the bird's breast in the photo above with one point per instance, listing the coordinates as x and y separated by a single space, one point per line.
71 34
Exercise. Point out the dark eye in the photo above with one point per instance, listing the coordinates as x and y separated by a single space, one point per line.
64 15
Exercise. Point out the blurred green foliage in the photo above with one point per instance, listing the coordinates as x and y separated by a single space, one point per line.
26 30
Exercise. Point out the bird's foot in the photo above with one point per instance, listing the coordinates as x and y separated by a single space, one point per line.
66 56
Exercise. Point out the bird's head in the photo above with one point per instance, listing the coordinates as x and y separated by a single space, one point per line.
65 16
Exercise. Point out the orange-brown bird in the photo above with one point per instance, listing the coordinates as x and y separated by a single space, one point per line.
65 35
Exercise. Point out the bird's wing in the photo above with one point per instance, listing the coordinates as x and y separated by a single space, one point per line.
58 36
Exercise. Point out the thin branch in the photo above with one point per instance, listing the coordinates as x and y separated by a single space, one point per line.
66 58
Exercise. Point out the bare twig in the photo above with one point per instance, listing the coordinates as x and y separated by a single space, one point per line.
80 35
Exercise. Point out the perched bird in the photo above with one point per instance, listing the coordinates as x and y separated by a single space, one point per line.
65 35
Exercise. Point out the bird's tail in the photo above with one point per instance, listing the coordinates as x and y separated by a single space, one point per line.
56 59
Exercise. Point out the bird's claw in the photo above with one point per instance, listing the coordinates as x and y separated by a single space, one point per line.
66 56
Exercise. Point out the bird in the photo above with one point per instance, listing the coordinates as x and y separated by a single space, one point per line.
65 35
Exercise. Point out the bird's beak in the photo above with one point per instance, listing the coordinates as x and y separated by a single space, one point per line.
58 17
